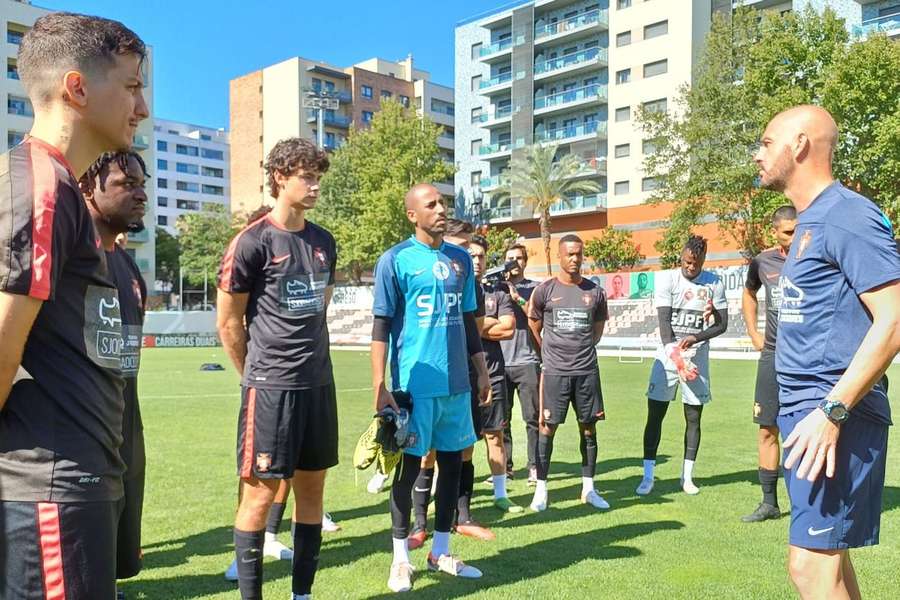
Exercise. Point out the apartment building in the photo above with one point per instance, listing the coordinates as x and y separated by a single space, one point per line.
267 105
575 73
16 17
191 171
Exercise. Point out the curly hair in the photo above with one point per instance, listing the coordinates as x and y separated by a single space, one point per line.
86 183
291 155
696 245
259 213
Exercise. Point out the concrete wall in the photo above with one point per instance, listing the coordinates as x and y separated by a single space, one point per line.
246 126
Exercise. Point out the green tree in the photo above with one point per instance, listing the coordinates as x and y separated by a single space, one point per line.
539 180
168 254
613 250
499 239
204 236
362 193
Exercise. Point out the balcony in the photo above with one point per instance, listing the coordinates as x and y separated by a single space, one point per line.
579 203
501 48
490 183
577 24
500 116
339 121
499 149
570 63
591 167
495 84
888 24
570 98
572 132
140 142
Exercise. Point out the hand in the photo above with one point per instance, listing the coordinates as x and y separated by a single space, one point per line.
513 293
757 339
686 342
813 443
484 389
384 398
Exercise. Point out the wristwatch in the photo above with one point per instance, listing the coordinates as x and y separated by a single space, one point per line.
835 410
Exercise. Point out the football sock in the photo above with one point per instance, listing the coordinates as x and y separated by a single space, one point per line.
587 485
401 495
648 468
688 473
656 412
401 551
447 493
588 448
692 416
441 543
307 543
499 486
540 488
545 451
273 521
769 482
422 497
466 488
248 546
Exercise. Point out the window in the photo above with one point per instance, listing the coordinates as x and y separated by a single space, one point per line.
12 71
476 180
623 76
187 168
476 51
15 35
621 187
212 172
162 182
367 91
188 204
205 138
14 138
656 29
162 165
187 186
162 220
623 39
186 150
367 116
440 106
476 114
623 150
476 147
214 154
623 113
329 143
217 190
623 4
16 105
173 131
476 83
648 147
404 100
655 106
162 145
316 84
162 201
648 184
656 68
386 94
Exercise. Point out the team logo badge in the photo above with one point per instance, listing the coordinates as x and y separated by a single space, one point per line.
489 303
805 239
586 298
457 268
547 414
319 254
757 409
263 461
703 293
689 295
441 271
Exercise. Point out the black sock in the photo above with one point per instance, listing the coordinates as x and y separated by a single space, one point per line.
466 487
588 455
276 514
401 495
544 452
769 482
656 412
422 497
692 416
307 542
447 492
248 546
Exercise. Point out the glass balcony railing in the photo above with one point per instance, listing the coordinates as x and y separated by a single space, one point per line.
140 142
884 24
570 131
498 113
591 91
579 203
490 182
504 78
576 58
337 121
495 48
577 22
499 147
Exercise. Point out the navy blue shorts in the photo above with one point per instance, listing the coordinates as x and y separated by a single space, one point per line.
845 511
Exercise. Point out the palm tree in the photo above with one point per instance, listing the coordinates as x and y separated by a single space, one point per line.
540 182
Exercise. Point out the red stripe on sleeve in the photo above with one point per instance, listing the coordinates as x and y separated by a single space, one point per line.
249 425
51 551
44 198
225 282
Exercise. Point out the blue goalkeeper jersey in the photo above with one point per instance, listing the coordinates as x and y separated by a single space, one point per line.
425 291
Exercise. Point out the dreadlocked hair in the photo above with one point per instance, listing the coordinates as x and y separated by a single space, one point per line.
696 244
86 183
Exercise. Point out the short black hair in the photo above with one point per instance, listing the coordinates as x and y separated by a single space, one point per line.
696 244
291 155
480 240
570 237
63 41
86 183
521 247
458 227
786 212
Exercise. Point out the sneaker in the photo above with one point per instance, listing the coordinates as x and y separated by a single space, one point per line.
301 596
447 563
538 504
510 474
475 530
401 576
231 571
595 500
416 539
645 487
689 488
763 512
376 484
532 477
489 481
507 505
328 524
273 549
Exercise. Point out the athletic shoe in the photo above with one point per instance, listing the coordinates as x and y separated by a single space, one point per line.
376 484
231 571
401 576
510 474
301 597
763 512
689 488
367 447
416 539
645 487
507 505
273 549
475 530
594 499
538 504
489 481
447 563
328 524
532 477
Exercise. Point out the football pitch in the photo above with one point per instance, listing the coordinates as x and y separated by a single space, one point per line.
667 545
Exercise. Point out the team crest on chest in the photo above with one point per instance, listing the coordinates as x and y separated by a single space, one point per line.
441 271
703 293
319 255
457 268
688 295
805 239
586 298
489 303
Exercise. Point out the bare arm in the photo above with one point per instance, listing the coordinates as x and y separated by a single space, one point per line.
750 310
329 293
500 329
17 315
536 326
230 311
598 330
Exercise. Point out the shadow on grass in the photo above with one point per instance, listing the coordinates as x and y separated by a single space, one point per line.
891 498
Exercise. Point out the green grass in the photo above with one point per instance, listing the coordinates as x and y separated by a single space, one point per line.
668 545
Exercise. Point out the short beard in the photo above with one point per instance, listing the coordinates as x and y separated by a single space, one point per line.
777 178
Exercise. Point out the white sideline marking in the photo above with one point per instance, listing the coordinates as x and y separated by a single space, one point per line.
231 395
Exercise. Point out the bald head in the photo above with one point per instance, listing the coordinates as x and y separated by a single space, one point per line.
425 209
418 193
814 122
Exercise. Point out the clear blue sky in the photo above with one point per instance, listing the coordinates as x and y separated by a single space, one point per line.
199 45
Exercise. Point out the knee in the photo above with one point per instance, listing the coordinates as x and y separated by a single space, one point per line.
810 572
768 436
428 460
